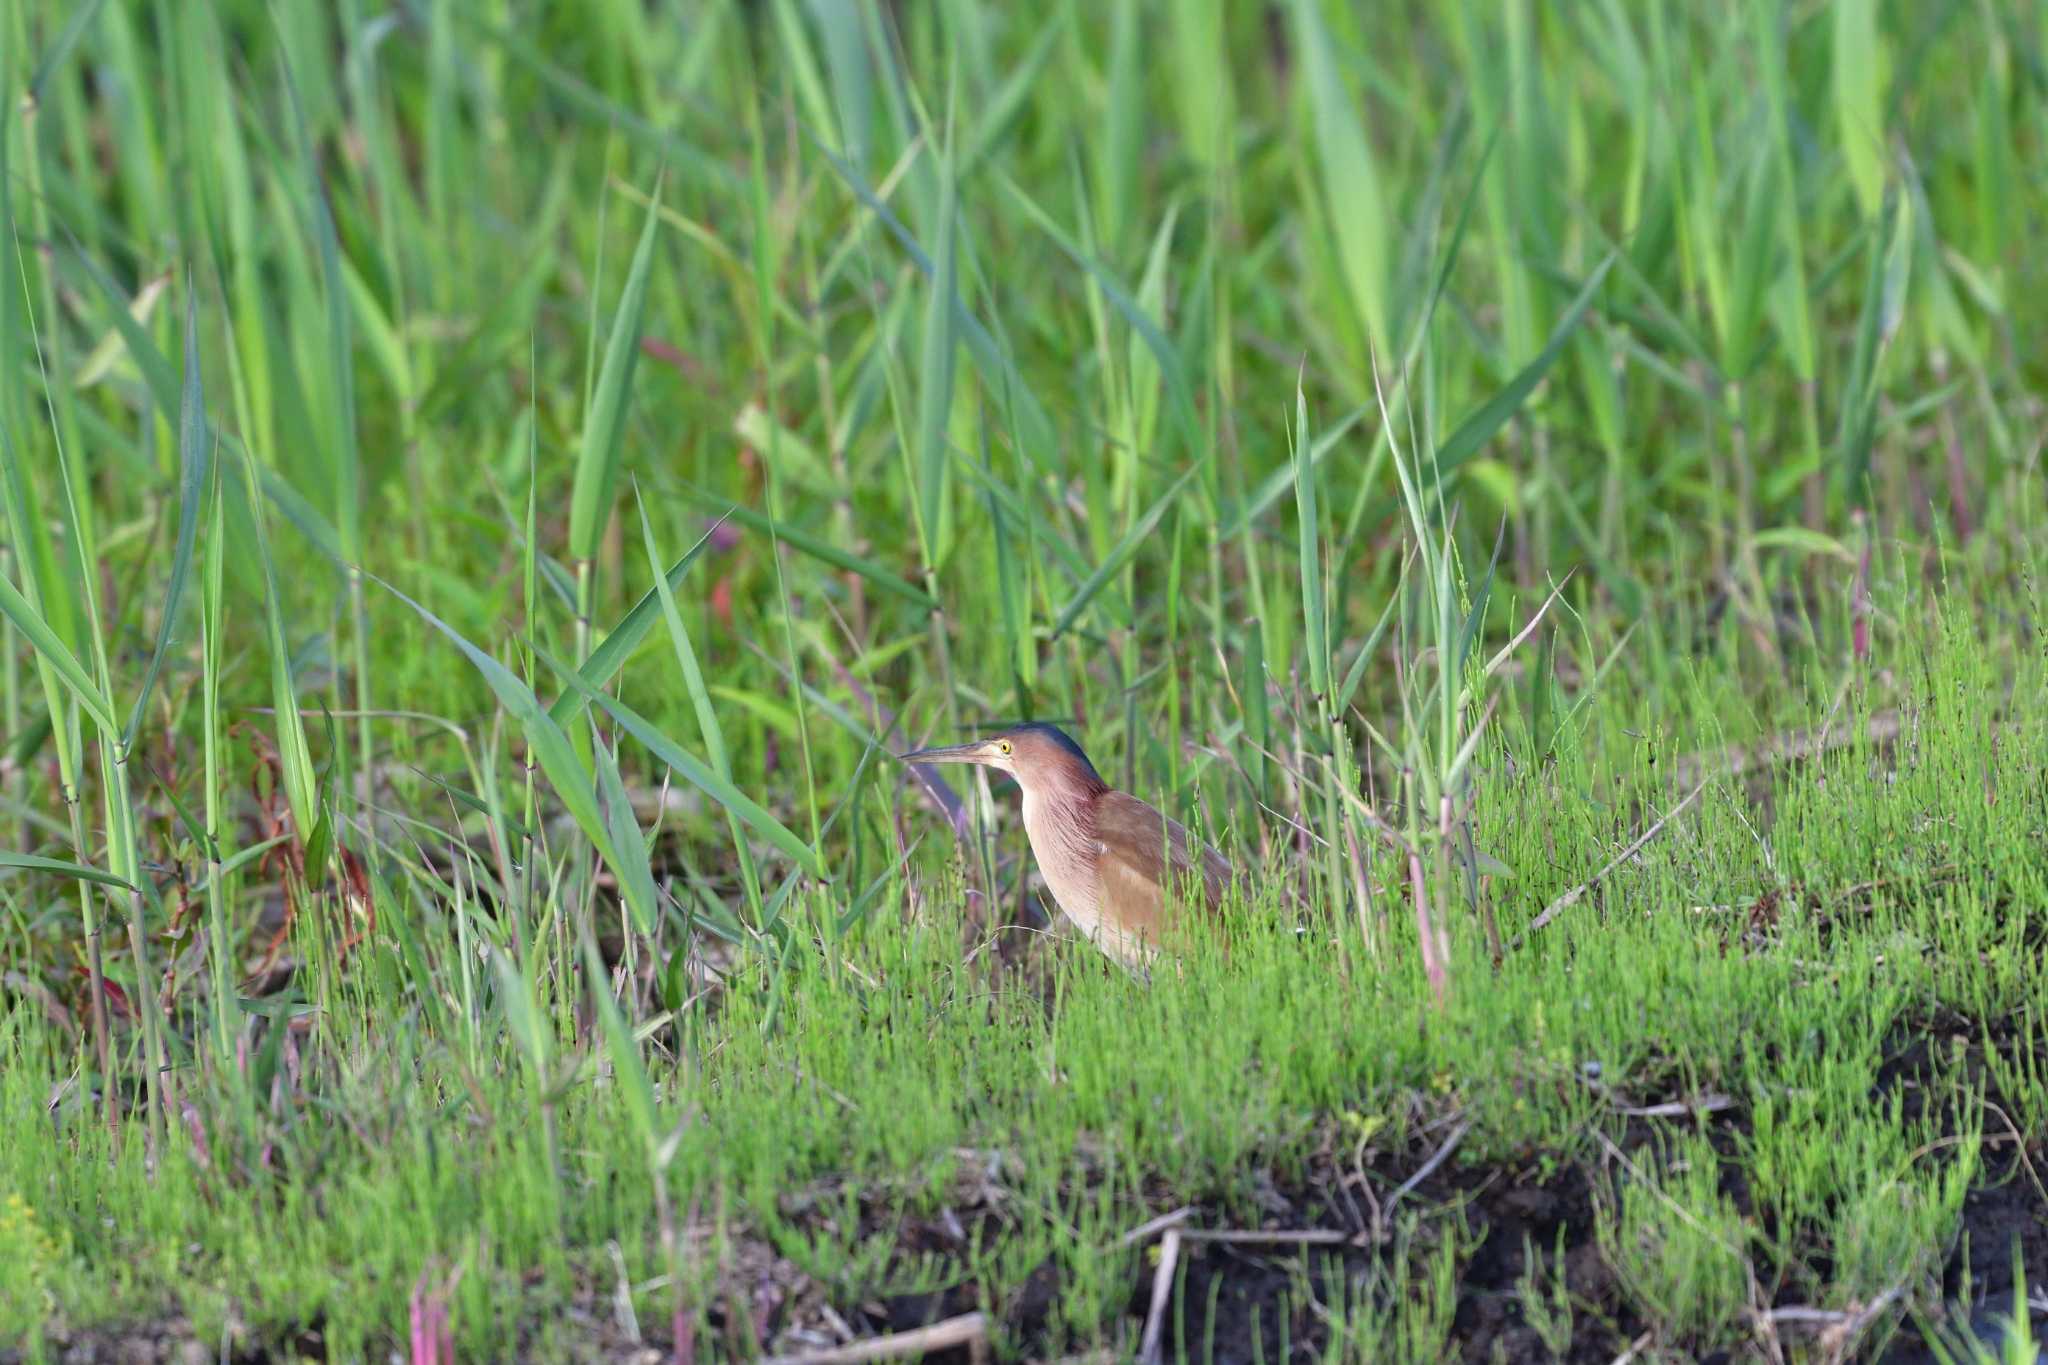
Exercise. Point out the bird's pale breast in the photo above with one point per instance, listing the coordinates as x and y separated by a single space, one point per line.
1063 844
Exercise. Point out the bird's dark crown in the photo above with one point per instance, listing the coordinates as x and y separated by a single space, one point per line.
1054 735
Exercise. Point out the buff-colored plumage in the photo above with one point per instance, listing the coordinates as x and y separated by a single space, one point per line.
1117 868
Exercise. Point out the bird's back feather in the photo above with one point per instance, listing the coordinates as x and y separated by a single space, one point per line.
1140 854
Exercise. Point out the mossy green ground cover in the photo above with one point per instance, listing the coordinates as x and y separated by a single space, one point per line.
486 491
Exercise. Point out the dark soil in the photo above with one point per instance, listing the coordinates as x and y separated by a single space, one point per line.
1237 1302
1240 1302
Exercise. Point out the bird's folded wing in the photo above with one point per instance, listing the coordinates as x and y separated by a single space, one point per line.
1140 849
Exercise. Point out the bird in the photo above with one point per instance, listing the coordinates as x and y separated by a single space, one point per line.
1112 862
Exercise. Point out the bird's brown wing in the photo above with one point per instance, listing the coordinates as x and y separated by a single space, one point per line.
1139 851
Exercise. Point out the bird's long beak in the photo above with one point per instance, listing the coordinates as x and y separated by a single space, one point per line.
977 752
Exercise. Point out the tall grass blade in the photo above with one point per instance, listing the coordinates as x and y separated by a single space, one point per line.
998 374
707 715
1859 113
1008 103
77 871
935 373
1313 606
60 47
597 460
1476 430
30 623
629 845
627 1064
293 754
618 646
1351 182
195 472
1182 404
695 772
1120 554
551 748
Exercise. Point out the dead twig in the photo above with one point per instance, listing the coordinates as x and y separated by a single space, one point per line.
1162 1291
1152 1227
1881 728
1635 1348
1573 896
2033 1176
1676 1109
969 1330
1428 1168
1699 769
1690 1219
1257 1236
1836 1338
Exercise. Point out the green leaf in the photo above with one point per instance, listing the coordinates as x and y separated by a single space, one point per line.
59 49
625 1053
636 876
1859 104
1281 481
1803 540
1356 674
30 862
1312 603
704 169
1182 404
29 740
820 550
1007 104
1475 431
523 1019
597 462
293 755
999 375
1120 554
675 976
694 772
935 374
618 646
317 847
550 745
31 624
707 715
1351 182
195 472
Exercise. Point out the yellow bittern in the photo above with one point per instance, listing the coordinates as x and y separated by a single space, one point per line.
1112 862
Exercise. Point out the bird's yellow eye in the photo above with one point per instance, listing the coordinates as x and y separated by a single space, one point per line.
1003 747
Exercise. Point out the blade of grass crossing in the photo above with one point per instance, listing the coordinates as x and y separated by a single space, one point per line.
1120 554
1181 398
627 1065
824 552
59 867
1313 604
194 478
707 715
1033 426
51 650
597 457
1351 181
1476 430
629 845
695 772
935 375
551 746
627 636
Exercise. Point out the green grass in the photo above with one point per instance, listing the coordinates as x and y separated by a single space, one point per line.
484 491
